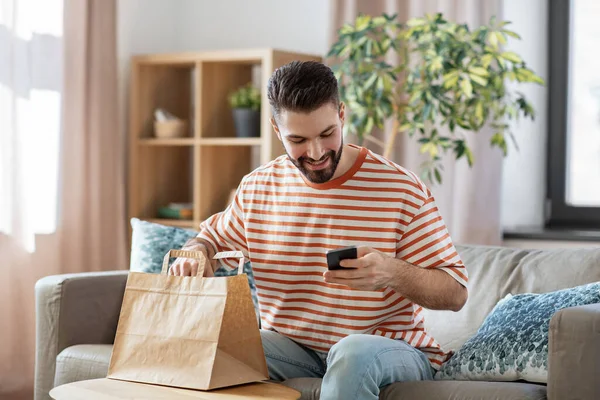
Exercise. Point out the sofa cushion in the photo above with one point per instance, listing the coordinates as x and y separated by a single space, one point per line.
495 272
437 390
150 242
463 390
82 362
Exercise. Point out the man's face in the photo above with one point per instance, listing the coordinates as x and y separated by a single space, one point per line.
313 141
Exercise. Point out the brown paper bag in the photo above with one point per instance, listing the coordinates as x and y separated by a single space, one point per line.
188 332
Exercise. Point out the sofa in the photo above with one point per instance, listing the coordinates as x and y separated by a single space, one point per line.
77 317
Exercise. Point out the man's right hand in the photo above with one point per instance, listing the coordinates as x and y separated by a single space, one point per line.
189 266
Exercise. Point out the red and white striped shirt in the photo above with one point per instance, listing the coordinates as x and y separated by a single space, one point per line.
285 225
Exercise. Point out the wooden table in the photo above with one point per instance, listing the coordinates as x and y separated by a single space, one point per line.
111 389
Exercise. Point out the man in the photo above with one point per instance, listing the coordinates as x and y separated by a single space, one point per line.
359 328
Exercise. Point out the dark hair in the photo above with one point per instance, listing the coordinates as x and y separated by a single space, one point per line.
302 86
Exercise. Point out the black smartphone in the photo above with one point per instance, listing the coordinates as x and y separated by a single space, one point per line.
335 256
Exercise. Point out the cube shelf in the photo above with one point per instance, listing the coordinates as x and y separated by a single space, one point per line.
207 161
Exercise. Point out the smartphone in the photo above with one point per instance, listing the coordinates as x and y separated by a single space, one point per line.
335 256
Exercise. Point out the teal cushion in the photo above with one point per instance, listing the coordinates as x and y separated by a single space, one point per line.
512 343
150 242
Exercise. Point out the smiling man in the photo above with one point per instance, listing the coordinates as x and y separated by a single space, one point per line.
359 328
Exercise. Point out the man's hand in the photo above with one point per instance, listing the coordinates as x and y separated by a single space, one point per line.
431 288
372 271
189 266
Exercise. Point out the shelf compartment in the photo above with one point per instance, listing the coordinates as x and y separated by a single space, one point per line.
219 79
231 141
163 86
221 171
164 175
167 142
179 223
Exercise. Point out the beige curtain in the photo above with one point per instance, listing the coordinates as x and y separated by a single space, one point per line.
92 214
469 198
90 233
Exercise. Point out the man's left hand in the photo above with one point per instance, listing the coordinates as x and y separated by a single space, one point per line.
371 270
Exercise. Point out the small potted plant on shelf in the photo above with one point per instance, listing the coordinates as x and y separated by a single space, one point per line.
245 104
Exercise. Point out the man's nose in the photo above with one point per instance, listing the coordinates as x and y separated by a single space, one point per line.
315 151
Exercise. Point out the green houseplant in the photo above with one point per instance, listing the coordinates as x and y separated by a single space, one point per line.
448 76
245 105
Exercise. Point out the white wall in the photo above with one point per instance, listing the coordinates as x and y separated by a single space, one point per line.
154 26
524 174
143 26
300 26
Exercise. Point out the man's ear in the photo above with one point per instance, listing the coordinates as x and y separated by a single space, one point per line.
275 127
342 112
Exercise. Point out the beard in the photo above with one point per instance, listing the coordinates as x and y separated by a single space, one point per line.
323 175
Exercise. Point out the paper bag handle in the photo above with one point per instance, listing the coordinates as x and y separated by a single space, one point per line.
196 255
232 254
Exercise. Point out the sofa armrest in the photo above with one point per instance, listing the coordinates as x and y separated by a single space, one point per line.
73 309
574 354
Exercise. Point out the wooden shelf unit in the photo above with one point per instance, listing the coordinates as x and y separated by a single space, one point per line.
203 167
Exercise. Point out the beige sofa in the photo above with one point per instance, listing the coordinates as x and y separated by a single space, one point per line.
77 317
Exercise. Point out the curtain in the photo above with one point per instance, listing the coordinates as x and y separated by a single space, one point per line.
92 206
31 43
469 198
61 161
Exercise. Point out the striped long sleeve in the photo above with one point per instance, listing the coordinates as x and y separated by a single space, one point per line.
426 243
225 231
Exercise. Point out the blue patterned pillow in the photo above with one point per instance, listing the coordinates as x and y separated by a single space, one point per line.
150 242
512 343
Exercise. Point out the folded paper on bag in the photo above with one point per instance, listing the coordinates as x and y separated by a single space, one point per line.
188 332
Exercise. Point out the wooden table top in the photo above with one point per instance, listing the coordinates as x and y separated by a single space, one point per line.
111 389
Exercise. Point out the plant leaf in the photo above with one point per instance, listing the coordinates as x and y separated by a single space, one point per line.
478 79
467 88
438 175
426 111
431 148
511 56
404 127
479 111
369 125
416 95
486 60
492 40
500 38
415 22
499 140
511 33
451 79
469 155
479 71
346 29
370 81
362 22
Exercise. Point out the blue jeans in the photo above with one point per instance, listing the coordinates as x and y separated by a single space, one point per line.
356 367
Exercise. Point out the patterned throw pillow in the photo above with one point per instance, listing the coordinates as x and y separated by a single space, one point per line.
150 242
512 343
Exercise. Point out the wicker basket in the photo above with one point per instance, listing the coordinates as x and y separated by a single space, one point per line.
173 128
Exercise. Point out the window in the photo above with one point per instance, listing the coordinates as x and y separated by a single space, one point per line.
574 114
30 103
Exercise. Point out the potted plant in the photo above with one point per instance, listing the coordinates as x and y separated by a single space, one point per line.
449 76
245 104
